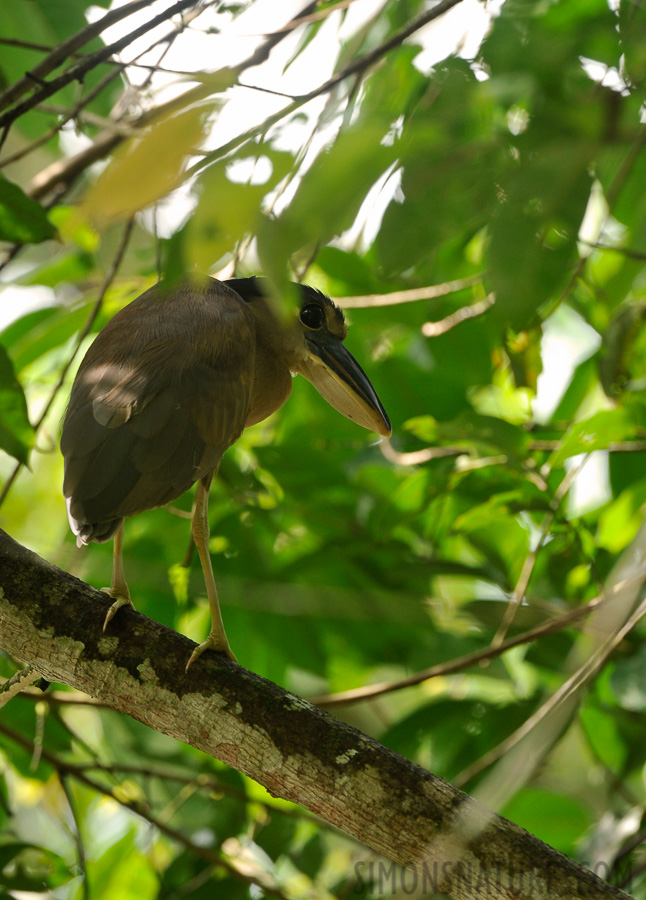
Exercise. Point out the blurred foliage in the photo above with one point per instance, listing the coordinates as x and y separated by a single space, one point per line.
519 161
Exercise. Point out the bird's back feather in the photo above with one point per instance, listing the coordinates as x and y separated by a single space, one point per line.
161 393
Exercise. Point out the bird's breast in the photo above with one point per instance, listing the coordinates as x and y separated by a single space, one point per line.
272 385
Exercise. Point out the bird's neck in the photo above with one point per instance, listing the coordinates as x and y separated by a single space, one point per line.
276 356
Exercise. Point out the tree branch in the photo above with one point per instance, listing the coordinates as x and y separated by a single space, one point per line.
67 170
411 295
78 70
57 55
453 844
356 67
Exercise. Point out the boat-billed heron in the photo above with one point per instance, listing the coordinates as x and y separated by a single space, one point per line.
171 382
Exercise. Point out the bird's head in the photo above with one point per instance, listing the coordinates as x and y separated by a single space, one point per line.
316 351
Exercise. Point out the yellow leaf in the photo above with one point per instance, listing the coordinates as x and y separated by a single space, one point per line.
146 168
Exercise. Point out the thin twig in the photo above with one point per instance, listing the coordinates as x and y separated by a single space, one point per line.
426 454
418 457
63 698
359 65
78 838
530 560
318 16
435 329
639 255
65 171
613 446
583 675
431 292
206 853
65 118
462 662
56 56
77 71
17 683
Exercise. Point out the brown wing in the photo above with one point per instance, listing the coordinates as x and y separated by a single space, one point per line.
160 395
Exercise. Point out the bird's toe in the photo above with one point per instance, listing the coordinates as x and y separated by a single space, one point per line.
120 599
215 642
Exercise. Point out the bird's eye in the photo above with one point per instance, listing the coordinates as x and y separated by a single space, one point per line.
312 316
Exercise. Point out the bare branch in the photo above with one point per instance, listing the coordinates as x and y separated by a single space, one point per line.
63 51
431 292
17 683
460 664
435 329
359 65
78 70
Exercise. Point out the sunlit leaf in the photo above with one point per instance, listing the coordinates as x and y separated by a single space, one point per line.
146 168
231 194
594 433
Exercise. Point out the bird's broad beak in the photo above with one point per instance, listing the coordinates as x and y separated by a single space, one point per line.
340 380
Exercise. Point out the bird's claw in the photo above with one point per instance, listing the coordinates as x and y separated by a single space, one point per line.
120 599
215 642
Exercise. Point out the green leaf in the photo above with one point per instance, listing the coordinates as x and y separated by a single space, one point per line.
622 353
628 681
230 200
557 819
447 152
124 869
16 431
348 269
603 734
583 380
27 867
534 230
595 433
330 193
22 220
35 334
620 521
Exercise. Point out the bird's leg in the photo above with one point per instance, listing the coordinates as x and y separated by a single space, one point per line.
118 590
217 639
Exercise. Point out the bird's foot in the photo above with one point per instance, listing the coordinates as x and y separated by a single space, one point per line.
120 599
217 642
